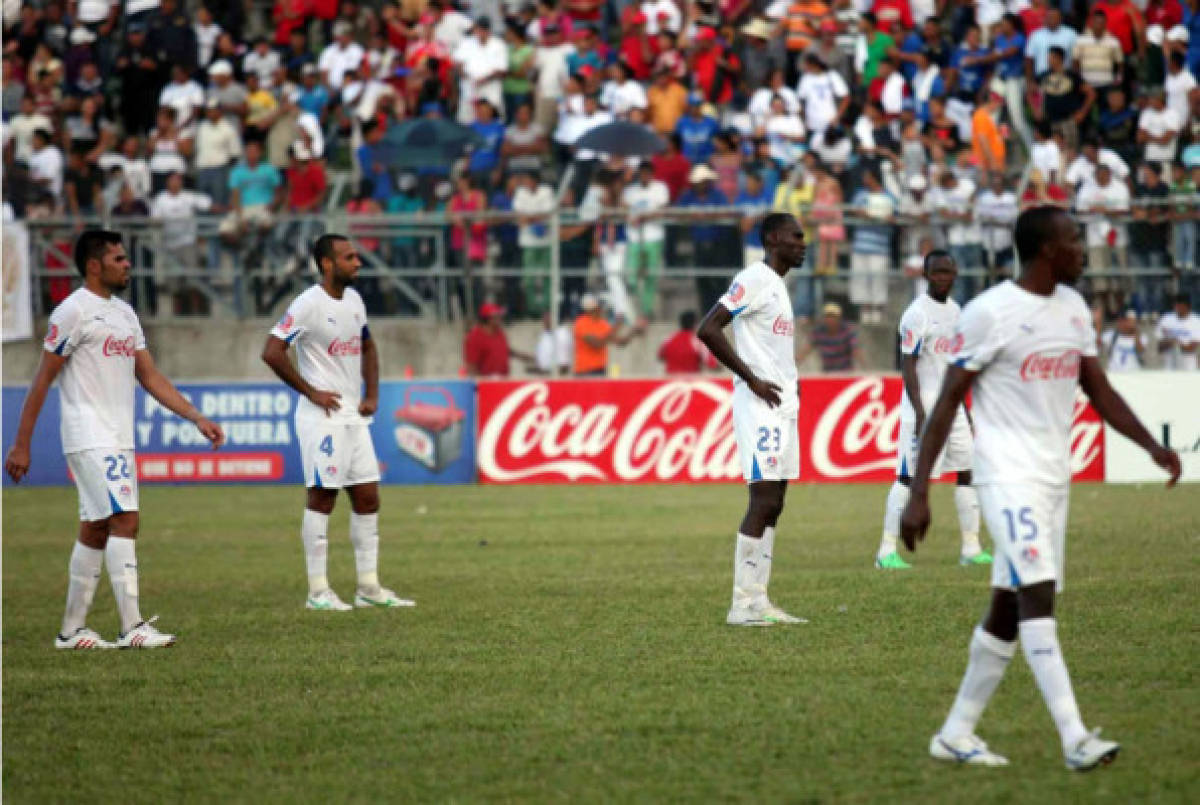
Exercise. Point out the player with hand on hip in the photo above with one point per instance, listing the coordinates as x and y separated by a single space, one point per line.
337 357
96 345
1027 347
766 403
927 343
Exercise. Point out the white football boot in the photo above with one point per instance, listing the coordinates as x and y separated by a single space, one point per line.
1091 752
380 597
969 749
145 635
82 638
327 601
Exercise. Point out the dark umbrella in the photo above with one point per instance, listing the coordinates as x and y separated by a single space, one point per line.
622 139
426 142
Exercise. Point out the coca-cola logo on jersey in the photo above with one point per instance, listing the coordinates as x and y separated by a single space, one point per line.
52 335
784 326
1042 366
945 345
342 349
118 347
628 432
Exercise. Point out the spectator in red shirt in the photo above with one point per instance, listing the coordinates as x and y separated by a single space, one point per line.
715 70
305 181
1041 191
1166 13
486 350
637 49
1124 20
1034 16
671 167
890 14
683 353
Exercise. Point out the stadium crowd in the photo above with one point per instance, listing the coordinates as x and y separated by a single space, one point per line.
891 127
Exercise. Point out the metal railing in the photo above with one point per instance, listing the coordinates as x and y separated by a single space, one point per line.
414 264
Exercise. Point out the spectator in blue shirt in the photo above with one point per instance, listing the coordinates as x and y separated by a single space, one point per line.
1008 56
312 96
372 163
696 130
971 67
1053 34
714 245
485 159
754 201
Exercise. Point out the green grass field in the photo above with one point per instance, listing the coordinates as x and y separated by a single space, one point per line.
569 645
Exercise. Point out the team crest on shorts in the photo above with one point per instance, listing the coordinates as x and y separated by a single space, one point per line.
1030 554
331 471
773 462
125 490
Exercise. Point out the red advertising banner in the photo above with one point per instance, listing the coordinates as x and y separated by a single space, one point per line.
680 430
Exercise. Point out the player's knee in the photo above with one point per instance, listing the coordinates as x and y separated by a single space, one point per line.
1001 618
94 534
321 500
1036 601
365 502
124 525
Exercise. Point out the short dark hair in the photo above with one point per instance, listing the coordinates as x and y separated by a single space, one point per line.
92 245
323 247
687 320
1034 227
936 254
1183 299
1055 50
773 222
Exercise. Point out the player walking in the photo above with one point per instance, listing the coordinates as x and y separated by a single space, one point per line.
1026 347
337 356
96 343
927 343
766 402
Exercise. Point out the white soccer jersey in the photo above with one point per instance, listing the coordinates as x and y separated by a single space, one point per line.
328 335
928 330
100 336
1027 349
764 330
1181 331
1121 351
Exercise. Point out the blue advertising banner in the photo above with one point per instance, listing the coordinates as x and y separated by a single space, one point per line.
424 433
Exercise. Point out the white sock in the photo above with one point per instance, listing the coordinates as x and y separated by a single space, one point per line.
84 575
897 499
364 535
988 658
967 502
1039 640
121 559
747 557
316 549
766 548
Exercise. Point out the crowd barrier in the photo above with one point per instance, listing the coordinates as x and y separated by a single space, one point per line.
664 430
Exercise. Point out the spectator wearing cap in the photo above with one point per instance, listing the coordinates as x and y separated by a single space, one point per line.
550 63
683 353
486 351
141 77
306 190
1158 130
696 130
762 53
916 210
341 56
637 48
225 91
667 100
1065 99
218 146
481 62
715 245
593 336
834 340
716 70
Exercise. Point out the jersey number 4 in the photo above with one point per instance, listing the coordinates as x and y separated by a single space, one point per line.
764 438
1024 518
326 446
116 467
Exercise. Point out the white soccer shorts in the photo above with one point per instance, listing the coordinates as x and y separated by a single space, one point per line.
1028 524
335 453
958 454
107 482
768 444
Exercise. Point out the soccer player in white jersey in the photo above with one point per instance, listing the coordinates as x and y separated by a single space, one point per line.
337 357
95 343
927 331
766 402
1027 347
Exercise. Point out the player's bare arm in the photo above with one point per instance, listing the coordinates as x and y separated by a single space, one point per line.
915 521
16 464
160 388
712 334
275 355
370 373
1112 407
912 389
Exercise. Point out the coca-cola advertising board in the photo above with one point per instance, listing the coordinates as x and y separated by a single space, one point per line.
673 431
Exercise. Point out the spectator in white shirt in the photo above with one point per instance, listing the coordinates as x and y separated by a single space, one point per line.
550 61
263 62
759 107
1121 346
555 348
531 201
1179 336
645 233
481 61
824 94
1179 85
954 199
996 210
1158 130
46 164
22 127
218 146
183 95
662 15
622 94
343 55
207 33
177 208
1082 170
1044 154
1105 201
